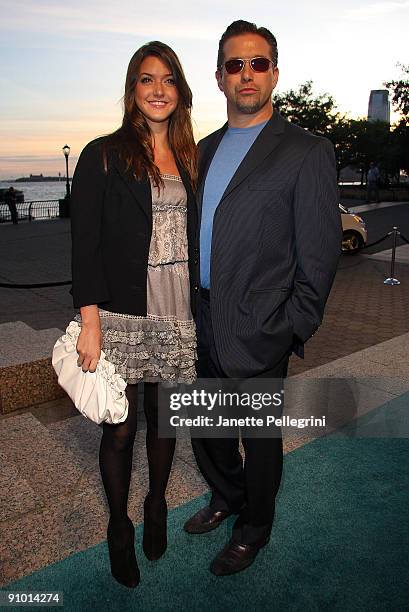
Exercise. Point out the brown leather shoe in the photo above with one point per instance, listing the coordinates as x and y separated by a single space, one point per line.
205 520
234 558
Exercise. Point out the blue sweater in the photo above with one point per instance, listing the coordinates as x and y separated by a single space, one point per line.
231 151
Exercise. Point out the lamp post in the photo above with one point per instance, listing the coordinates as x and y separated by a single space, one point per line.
64 204
66 150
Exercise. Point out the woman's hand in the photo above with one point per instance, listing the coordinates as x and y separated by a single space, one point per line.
89 341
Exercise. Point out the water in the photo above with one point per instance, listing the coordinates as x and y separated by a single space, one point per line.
38 191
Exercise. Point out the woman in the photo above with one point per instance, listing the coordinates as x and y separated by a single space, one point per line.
133 231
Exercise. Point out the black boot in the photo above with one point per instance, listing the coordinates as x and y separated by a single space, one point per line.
155 528
124 566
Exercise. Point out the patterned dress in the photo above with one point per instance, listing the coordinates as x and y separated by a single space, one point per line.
162 345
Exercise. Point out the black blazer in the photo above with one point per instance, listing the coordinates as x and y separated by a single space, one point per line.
111 228
275 246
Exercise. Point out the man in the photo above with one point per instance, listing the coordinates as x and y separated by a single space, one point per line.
373 183
270 238
11 199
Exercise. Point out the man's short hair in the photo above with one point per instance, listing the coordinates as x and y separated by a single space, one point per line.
245 27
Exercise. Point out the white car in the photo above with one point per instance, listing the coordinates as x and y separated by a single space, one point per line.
354 233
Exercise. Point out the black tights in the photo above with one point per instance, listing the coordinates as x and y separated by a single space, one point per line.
116 451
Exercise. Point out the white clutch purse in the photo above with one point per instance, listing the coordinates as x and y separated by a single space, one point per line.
100 395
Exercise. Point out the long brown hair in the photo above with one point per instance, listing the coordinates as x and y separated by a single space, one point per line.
133 140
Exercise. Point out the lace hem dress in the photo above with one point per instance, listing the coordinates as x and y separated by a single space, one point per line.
161 346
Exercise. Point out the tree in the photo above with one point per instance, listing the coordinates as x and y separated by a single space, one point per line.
399 144
315 113
369 143
400 89
357 142
341 136
399 149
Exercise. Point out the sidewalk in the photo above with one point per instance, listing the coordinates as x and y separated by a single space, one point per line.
36 252
360 206
360 312
53 503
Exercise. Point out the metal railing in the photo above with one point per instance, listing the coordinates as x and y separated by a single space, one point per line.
29 211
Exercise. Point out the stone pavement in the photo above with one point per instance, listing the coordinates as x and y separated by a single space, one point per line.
361 311
52 501
36 252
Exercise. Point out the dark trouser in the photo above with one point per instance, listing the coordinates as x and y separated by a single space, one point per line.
13 213
250 489
372 192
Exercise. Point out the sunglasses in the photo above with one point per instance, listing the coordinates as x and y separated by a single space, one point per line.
258 64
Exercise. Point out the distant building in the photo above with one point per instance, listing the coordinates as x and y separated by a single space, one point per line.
379 107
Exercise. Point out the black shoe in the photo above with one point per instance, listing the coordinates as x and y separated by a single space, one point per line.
124 566
155 539
205 520
234 558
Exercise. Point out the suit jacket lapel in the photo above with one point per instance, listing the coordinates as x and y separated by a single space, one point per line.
268 139
141 190
204 163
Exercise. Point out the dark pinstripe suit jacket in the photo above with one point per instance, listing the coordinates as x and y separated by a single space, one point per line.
275 246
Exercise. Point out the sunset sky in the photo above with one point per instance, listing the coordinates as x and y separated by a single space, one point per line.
63 64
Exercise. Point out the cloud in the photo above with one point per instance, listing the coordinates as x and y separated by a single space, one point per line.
103 18
28 158
375 9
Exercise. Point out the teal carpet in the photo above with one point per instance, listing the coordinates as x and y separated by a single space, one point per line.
339 542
